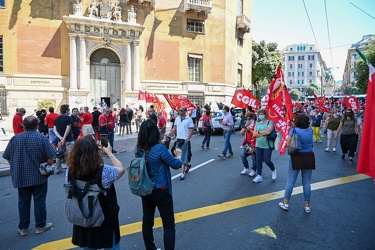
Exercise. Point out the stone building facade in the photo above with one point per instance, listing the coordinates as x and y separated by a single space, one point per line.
82 51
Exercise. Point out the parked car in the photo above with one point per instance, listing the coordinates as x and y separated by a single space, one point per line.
216 117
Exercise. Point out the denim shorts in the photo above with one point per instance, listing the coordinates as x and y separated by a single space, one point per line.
185 152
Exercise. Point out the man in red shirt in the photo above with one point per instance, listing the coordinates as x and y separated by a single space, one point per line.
50 122
111 120
86 123
162 124
17 121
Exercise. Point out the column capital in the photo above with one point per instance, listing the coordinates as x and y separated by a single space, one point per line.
72 35
82 36
127 43
136 43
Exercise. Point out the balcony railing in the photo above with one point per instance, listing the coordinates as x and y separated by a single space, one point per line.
198 6
243 24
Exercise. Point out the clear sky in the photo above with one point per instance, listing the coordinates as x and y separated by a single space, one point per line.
286 22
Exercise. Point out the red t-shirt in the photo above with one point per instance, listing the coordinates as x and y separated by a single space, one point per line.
249 136
17 121
50 119
102 119
87 118
204 119
111 118
162 122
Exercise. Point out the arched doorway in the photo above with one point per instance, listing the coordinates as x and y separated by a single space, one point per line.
105 77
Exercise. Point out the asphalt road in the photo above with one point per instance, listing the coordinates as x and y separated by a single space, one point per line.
217 208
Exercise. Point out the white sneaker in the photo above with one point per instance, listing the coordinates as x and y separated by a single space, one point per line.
334 149
327 150
245 171
258 178
252 173
274 175
284 206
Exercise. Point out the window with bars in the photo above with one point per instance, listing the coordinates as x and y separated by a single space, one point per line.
195 68
195 26
239 75
3 101
1 55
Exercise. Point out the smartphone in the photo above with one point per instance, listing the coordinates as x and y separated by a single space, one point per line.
104 140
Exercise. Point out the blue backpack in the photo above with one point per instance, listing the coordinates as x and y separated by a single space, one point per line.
139 182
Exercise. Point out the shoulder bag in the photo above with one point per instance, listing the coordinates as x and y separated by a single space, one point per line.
295 144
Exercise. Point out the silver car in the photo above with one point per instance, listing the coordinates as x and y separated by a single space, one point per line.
218 116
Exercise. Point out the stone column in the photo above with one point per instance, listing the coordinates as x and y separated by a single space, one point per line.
73 62
128 66
136 66
82 63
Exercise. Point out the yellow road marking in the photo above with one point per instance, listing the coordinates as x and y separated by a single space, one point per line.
267 230
213 209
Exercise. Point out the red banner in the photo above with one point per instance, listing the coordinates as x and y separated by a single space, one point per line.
177 101
275 87
242 98
141 95
351 102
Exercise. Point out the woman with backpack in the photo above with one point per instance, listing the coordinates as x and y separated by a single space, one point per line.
349 135
85 163
207 128
158 163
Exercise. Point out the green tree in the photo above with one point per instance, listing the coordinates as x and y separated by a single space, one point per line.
45 104
265 58
361 68
312 88
295 94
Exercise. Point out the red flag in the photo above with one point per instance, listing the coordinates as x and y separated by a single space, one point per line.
275 87
351 102
279 106
366 159
320 103
177 101
141 95
242 98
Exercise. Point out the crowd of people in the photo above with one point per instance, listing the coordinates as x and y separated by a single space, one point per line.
79 131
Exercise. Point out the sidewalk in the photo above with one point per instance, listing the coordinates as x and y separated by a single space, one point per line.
121 144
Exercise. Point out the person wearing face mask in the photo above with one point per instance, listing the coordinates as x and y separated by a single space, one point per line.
17 121
316 124
63 131
76 126
227 125
263 147
247 130
349 135
331 124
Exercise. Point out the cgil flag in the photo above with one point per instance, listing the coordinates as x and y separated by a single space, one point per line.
177 101
351 102
242 98
366 159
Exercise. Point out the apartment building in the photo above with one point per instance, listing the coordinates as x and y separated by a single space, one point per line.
303 65
82 51
352 57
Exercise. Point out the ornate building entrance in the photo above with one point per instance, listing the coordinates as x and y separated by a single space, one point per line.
105 77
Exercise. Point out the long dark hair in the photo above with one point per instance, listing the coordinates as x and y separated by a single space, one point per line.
84 158
148 135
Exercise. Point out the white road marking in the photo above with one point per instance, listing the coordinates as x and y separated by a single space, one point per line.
192 169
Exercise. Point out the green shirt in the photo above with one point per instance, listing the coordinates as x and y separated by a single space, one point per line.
262 142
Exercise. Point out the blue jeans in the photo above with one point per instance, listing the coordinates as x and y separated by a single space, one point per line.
161 199
111 137
114 245
292 177
185 152
39 194
264 153
207 137
51 134
245 162
227 134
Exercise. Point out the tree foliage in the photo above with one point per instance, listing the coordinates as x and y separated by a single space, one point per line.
265 58
295 94
361 69
45 104
311 89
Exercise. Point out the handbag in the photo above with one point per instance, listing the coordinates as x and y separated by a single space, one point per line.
46 169
295 144
207 123
249 150
60 153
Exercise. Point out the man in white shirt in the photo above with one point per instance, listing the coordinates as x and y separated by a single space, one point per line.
227 125
184 126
